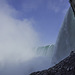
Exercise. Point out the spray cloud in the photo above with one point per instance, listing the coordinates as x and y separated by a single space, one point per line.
17 37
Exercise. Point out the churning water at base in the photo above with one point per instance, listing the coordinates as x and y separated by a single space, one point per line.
66 39
25 68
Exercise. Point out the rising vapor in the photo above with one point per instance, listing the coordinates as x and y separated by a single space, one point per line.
17 41
17 37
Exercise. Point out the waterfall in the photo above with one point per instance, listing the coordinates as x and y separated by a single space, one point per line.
45 50
66 39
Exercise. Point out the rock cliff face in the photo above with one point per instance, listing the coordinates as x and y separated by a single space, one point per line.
65 67
72 2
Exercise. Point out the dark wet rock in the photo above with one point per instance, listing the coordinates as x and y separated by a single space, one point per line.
65 67
72 3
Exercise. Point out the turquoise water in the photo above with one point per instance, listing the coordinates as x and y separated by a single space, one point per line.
66 38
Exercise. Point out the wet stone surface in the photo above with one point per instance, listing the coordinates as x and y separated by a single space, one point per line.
65 67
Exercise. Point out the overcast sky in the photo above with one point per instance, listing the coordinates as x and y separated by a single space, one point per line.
47 16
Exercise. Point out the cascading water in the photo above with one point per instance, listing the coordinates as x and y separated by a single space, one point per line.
18 38
66 38
45 50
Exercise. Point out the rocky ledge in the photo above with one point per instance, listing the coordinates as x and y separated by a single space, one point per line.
65 67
